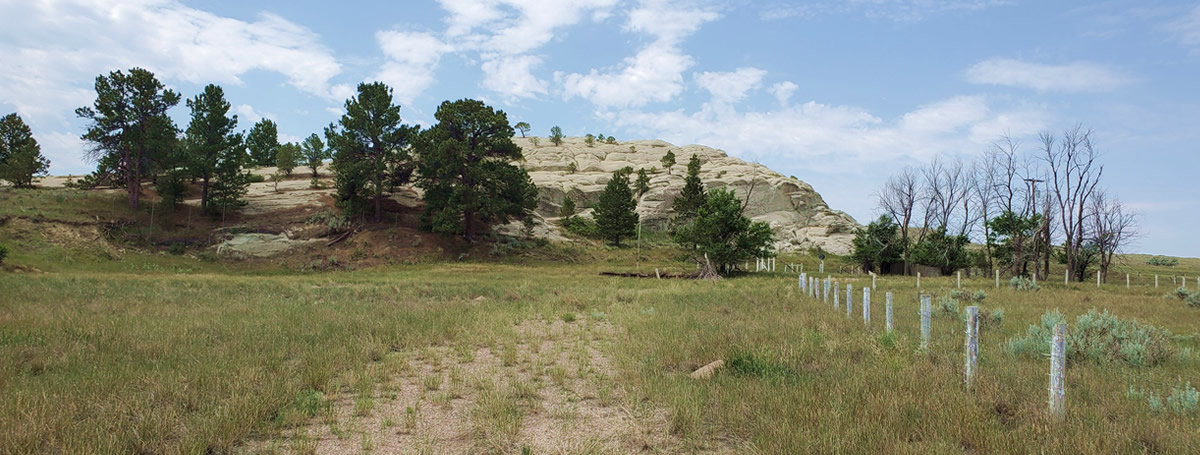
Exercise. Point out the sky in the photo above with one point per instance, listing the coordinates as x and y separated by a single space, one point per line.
840 94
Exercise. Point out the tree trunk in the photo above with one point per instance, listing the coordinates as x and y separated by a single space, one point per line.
204 194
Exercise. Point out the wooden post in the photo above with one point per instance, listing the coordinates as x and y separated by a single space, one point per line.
656 274
889 311
918 280
1126 281
822 269
1058 364
873 276
997 279
1156 281
867 306
1066 277
958 283
849 301
1097 278
972 346
926 314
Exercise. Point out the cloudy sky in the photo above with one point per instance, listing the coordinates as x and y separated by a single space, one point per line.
837 93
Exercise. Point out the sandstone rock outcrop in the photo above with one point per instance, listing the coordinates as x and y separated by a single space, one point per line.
797 214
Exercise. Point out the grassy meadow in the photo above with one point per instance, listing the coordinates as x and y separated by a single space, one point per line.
160 362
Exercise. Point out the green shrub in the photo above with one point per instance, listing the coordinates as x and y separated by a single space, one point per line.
1163 261
177 248
581 226
1021 283
948 305
1098 337
568 317
257 178
3 253
1192 299
1183 400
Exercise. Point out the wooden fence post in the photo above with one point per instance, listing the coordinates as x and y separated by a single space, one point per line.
1155 281
1097 278
972 346
1126 281
873 276
866 306
889 311
1066 277
918 280
926 314
1058 363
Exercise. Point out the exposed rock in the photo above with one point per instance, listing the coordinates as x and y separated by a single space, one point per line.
797 214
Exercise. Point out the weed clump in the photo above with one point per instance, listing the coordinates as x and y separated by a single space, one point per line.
1192 299
761 364
1163 261
1183 400
1021 283
3 253
1098 337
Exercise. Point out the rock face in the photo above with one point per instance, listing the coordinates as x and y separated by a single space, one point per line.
796 213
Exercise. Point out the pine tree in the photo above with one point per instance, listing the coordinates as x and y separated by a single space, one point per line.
314 153
643 182
668 160
287 157
129 125
230 182
615 213
465 167
692 196
263 142
209 137
720 233
371 149
556 135
20 155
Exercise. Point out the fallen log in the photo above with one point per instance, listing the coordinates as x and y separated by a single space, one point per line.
707 371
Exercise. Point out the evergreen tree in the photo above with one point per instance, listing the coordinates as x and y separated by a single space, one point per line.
615 212
209 137
692 196
589 140
643 182
522 127
230 181
129 125
946 252
723 234
287 157
370 149
668 160
20 155
314 153
465 167
567 209
263 142
556 135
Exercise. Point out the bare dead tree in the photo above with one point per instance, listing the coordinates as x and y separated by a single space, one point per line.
898 199
984 198
1074 175
1112 227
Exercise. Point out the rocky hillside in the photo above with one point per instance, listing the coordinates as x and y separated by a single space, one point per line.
796 212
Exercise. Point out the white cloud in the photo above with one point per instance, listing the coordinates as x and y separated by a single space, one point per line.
894 10
1070 77
728 88
248 116
783 91
838 138
412 59
1186 29
513 76
655 73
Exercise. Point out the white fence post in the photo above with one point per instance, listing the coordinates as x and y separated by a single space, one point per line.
1066 277
972 346
1156 281
822 268
1097 278
926 314
836 299
1034 278
1058 363
918 280
849 301
800 282
1126 281
873 276
889 311
997 279
958 283
867 306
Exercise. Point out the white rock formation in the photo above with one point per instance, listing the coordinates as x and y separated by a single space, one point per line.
797 214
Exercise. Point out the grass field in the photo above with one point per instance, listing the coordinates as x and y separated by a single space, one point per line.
156 362
112 347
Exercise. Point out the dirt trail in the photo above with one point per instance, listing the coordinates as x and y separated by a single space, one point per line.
548 391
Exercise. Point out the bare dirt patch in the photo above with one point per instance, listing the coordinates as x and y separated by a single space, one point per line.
548 390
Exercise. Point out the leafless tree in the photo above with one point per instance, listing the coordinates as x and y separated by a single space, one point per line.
898 199
1112 227
1074 175
984 198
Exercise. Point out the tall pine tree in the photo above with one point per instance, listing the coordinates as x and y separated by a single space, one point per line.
129 125
692 196
465 167
615 212
263 142
370 149
210 138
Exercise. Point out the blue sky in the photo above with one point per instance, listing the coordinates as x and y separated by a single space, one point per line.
838 93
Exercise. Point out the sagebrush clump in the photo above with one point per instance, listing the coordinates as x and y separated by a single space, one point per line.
1192 299
1021 283
1183 400
1099 337
3 253
1163 261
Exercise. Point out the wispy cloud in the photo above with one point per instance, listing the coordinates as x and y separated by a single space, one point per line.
1069 77
1186 29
